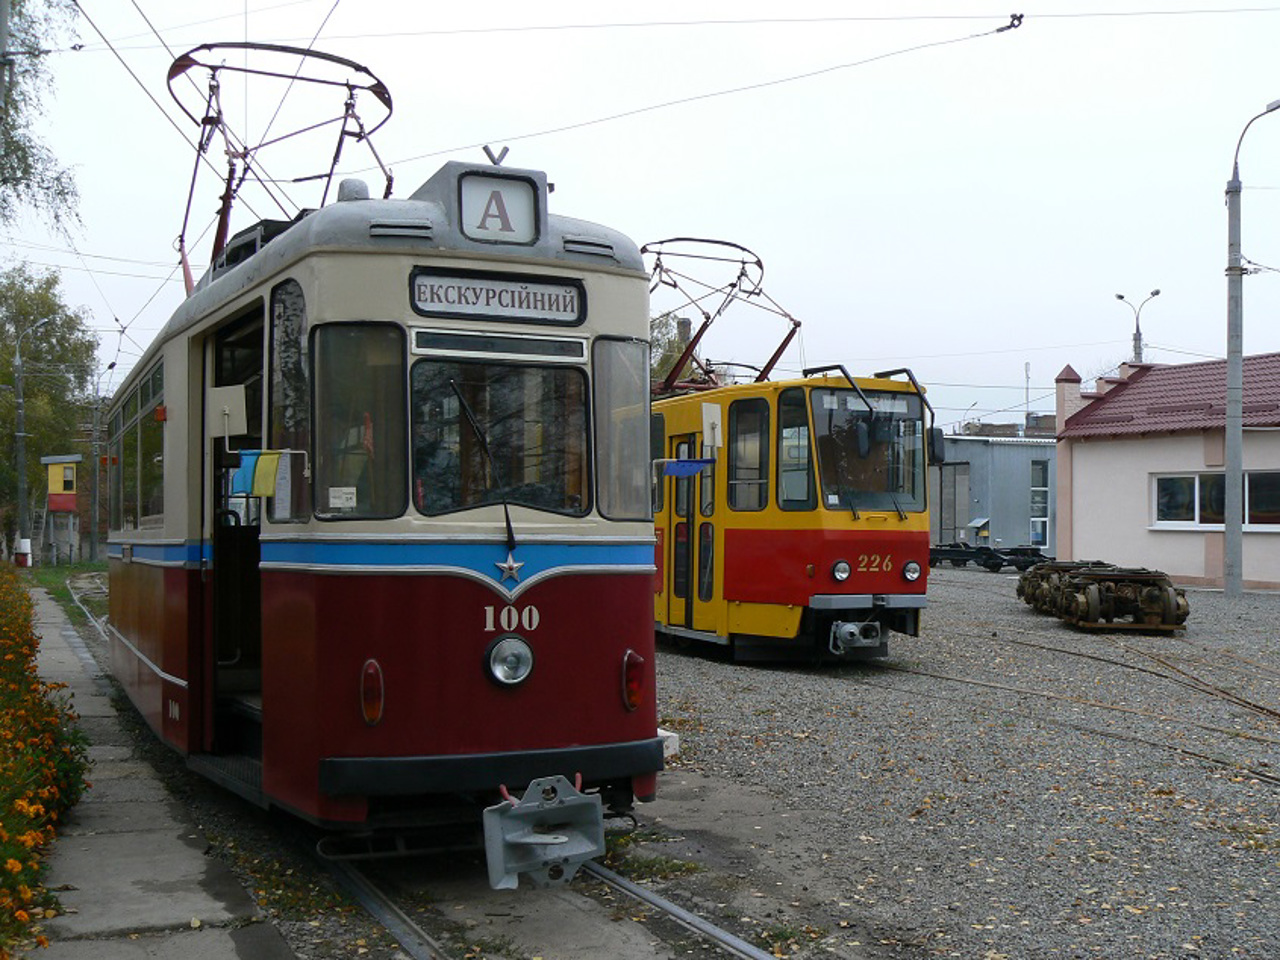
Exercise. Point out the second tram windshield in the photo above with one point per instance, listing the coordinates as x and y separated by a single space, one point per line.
870 452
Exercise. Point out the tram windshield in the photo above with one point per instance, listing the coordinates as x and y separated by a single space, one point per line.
870 449
532 419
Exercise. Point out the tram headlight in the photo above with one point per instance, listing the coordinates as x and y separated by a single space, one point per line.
840 570
510 660
911 571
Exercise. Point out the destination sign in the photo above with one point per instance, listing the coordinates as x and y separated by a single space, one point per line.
460 295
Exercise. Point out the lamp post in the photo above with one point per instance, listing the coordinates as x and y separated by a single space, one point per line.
97 462
20 437
1233 499
1137 326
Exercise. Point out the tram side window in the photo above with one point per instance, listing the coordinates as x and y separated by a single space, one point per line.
115 479
151 469
796 489
620 392
360 428
290 401
657 444
129 477
135 464
749 454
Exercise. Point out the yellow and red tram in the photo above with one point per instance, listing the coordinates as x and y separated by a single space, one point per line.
791 515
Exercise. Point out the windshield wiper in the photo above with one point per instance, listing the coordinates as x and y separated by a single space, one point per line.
902 514
493 466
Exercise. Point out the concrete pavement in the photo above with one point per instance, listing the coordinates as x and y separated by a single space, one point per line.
129 865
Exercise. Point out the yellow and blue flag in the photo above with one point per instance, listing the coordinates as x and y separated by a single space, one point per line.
256 475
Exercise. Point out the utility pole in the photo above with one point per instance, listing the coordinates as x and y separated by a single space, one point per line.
20 444
97 459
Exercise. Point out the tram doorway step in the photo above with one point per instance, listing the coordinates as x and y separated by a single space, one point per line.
235 772
238 726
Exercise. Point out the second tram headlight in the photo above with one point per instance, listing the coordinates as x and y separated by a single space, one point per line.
510 661
841 570
911 570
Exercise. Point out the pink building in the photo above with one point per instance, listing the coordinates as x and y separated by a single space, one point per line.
1141 469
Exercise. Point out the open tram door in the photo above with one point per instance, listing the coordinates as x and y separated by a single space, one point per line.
232 648
692 587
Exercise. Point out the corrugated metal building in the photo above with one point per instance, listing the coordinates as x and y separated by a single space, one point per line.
995 491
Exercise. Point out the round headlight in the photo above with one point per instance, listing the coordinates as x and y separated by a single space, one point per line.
510 660
840 570
911 570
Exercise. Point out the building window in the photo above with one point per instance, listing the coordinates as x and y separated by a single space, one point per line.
1199 499
1039 503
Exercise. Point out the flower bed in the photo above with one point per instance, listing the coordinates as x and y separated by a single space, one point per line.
42 768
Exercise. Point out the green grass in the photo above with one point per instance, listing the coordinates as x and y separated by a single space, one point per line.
55 580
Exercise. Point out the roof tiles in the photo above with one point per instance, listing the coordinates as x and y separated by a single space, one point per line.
1190 396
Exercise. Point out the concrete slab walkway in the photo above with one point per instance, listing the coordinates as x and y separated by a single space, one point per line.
129 864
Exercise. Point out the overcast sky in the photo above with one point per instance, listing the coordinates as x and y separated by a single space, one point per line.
923 191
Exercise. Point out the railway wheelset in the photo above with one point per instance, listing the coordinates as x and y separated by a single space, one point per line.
1095 595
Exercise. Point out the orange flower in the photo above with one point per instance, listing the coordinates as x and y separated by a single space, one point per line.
13 866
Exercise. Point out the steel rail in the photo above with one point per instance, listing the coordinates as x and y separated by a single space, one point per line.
412 938
733 944
1261 775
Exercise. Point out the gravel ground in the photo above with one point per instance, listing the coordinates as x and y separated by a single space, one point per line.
976 796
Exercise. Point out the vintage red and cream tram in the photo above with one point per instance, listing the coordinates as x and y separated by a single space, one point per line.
372 489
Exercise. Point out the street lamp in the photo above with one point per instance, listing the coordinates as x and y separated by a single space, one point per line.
1137 327
1233 499
97 463
20 445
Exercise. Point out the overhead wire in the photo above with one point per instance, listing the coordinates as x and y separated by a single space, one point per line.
736 22
695 98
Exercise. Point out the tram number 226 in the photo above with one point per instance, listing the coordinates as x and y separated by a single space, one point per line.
875 563
509 618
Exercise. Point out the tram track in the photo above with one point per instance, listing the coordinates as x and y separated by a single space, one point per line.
388 910
1177 675
1225 762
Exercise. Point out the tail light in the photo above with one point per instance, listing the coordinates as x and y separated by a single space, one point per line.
633 686
372 692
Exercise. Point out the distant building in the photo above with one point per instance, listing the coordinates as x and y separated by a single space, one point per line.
994 491
59 536
1141 469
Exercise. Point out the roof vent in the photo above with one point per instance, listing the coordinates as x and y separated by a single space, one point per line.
589 245
413 229
353 189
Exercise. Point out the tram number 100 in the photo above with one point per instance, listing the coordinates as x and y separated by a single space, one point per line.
508 618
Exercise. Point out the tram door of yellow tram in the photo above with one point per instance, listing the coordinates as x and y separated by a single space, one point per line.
693 588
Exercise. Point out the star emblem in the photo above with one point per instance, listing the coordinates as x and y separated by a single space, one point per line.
510 569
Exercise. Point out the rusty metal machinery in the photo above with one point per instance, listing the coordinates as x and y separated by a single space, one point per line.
1095 595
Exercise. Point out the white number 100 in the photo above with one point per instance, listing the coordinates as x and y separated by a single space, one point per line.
508 618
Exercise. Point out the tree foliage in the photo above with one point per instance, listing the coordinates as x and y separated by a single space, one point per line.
58 362
665 346
30 175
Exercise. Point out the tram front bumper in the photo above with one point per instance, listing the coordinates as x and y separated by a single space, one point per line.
859 621
470 773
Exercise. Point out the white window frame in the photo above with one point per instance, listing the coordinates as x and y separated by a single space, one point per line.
1195 524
